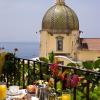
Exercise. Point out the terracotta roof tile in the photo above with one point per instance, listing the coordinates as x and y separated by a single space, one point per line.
90 43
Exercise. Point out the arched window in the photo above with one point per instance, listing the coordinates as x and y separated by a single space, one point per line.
59 43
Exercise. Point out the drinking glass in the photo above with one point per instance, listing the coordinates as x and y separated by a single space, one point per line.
3 91
66 95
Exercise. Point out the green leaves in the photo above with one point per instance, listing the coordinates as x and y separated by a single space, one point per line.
88 64
92 64
51 57
97 63
59 86
95 95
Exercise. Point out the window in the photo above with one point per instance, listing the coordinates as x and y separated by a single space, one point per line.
85 45
59 43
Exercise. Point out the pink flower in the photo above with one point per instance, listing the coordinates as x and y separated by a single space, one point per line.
74 80
71 81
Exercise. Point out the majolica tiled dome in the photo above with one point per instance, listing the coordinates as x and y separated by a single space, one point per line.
60 19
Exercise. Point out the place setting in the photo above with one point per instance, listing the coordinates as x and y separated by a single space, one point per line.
15 93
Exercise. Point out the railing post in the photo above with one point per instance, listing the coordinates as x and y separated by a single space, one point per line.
23 74
14 70
74 93
55 81
41 76
4 75
7 80
62 69
34 70
88 90
47 68
28 73
19 71
74 87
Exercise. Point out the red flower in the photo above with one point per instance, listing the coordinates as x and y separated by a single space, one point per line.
54 69
54 66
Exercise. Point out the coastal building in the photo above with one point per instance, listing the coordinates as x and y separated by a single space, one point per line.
60 33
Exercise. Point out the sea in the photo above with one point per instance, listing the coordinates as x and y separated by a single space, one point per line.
27 50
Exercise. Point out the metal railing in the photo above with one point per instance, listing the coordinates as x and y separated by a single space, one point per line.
26 71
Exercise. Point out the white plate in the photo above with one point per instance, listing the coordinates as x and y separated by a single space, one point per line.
13 94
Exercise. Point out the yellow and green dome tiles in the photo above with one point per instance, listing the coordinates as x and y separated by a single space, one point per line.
60 19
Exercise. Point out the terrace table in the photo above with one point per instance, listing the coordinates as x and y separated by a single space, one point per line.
23 96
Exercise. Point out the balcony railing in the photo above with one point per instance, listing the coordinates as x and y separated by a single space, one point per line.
26 71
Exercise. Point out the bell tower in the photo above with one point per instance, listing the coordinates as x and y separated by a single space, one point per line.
60 31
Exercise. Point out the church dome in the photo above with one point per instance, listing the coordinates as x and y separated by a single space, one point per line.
60 19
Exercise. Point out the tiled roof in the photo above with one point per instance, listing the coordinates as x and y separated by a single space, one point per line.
90 43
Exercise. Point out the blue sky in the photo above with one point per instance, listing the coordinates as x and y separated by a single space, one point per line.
21 19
